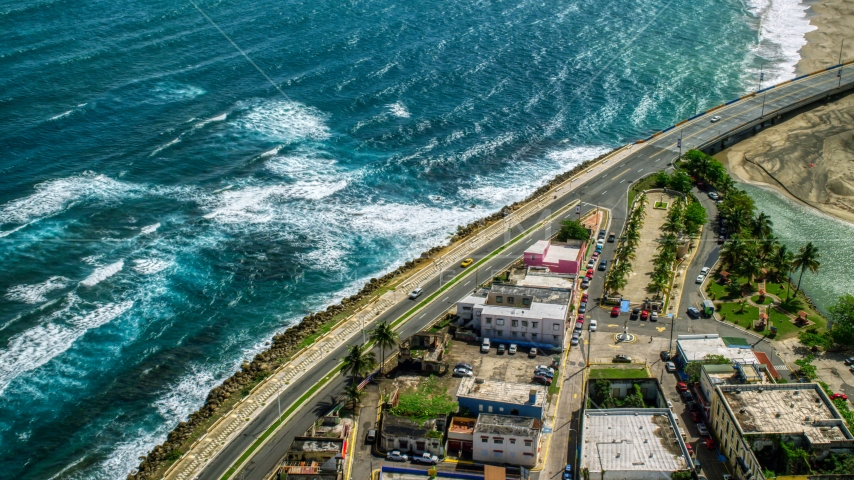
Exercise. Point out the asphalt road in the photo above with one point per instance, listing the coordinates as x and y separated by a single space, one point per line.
606 190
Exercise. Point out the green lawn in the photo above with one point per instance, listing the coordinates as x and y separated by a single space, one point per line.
733 313
767 300
643 184
617 372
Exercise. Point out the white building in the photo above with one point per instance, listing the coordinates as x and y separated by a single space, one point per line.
694 348
631 444
526 316
507 440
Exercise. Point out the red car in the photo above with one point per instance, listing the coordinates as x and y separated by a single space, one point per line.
580 318
690 449
584 298
682 387
644 315
839 395
595 255
710 444
615 312
695 417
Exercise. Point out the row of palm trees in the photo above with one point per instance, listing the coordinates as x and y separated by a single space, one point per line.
617 277
360 361
662 263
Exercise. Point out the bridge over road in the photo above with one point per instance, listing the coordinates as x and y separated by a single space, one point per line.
604 185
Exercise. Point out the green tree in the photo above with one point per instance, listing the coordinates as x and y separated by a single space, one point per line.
781 262
762 226
353 394
734 286
680 181
806 368
842 320
358 362
661 179
694 217
572 229
693 368
681 475
806 259
751 267
385 337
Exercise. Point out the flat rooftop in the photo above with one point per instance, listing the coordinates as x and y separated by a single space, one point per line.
507 425
558 252
462 425
317 445
505 392
631 440
546 281
539 294
696 347
473 300
797 408
538 248
536 311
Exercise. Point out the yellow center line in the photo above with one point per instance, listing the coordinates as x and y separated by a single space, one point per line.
621 174
832 79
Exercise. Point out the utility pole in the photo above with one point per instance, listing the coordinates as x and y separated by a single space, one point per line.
763 105
761 76
679 144
589 341
672 329
839 73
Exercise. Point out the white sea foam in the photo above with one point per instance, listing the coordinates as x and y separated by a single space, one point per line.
102 273
261 204
149 229
61 115
164 146
171 91
36 293
35 347
150 266
55 196
398 109
783 24
284 121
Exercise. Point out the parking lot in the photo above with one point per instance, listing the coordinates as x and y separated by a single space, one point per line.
518 368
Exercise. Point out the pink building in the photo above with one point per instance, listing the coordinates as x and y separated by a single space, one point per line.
558 257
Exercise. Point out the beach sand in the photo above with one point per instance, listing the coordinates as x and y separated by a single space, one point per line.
809 157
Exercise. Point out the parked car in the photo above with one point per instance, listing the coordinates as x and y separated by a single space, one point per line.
464 365
670 367
542 380
580 318
714 195
584 297
592 326
465 263
425 459
665 355
591 263
716 119
705 271
484 346
622 359
575 339
693 312
544 373
590 272
371 436
635 313
582 307
579 325
416 293
462 372
699 279
687 397
585 282
546 368
611 238
704 432
615 312
689 448
839 395
710 444
721 240
695 417
653 316
512 349
603 265
682 386
501 349
849 361
532 352
396 456
644 315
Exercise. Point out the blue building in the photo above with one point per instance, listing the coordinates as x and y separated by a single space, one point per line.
502 398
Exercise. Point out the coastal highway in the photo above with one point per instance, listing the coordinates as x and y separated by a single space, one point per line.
607 189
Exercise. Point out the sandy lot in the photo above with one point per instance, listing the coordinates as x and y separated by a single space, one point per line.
635 290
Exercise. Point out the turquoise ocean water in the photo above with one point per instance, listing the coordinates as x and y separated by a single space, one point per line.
164 209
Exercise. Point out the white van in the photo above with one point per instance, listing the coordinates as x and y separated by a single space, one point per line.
484 347
592 326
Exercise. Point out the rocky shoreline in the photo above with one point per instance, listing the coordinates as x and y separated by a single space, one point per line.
287 342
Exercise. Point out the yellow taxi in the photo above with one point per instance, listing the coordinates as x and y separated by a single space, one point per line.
467 262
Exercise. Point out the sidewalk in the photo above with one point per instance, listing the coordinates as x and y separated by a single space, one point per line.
232 424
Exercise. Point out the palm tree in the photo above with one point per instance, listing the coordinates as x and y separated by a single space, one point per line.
781 262
385 337
768 247
806 259
751 267
353 394
725 184
762 226
358 362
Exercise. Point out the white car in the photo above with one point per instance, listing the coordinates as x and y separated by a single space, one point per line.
705 271
592 326
716 118
700 278
512 349
396 456
574 340
416 293
463 372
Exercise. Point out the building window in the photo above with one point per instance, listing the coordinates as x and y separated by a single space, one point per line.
524 323
404 444
533 336
534 324
514 323
466 308
556 337
528 443
500 409
484 439
512 441
480 408
556 327
498 441
499 299
511 300
513 334
526 301
498 453
488 320
490 409
512 454
484 452
499 322
499 332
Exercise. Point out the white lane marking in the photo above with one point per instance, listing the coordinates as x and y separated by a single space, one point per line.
445 299
606 191
640 170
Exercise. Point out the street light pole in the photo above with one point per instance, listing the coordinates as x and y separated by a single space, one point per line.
761 76
672 328
839 73
763 105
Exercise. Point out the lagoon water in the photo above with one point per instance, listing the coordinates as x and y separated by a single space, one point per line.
164 209
796 224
